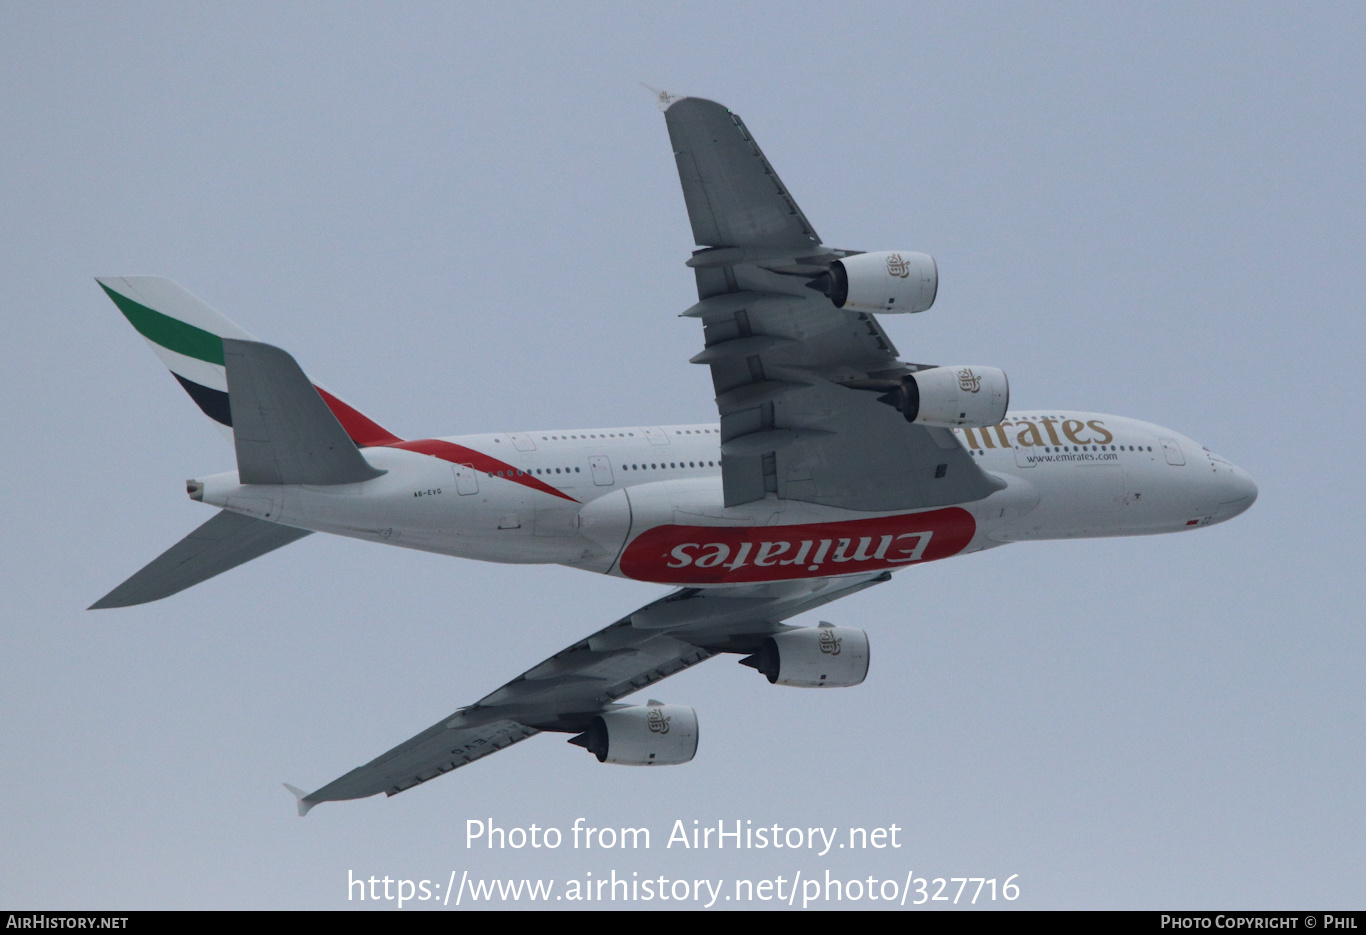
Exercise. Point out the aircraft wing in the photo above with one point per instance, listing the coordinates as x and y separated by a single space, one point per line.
571 688
792 372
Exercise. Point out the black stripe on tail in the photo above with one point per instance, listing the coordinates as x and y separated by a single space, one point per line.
213 402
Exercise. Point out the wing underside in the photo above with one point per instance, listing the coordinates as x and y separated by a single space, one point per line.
792 372
733 195
567 691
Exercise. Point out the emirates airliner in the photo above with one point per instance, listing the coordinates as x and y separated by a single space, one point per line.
833 464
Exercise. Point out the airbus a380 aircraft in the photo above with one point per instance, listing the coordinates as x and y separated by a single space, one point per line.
833 465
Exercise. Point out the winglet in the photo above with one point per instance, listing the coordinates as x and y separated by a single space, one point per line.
301 798
665 99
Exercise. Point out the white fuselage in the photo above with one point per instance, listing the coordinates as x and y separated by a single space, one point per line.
646 503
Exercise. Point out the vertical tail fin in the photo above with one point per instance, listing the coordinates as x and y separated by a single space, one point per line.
185 333
188 337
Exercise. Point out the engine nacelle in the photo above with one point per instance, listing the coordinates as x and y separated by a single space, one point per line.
642 735
813 657
951 397
881 282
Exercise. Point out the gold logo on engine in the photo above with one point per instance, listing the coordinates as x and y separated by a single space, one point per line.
968 381
829 643
898 267
659 724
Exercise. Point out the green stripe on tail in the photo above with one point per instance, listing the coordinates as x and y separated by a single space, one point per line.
168 332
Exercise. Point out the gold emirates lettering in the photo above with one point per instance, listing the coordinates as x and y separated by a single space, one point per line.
1027 435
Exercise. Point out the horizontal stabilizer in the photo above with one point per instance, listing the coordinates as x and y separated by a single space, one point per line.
226 541
283 431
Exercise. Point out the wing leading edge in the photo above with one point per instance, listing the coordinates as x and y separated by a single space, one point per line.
566 692
790 370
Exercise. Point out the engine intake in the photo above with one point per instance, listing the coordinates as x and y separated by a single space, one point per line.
881 282
813 657
951 397
642 735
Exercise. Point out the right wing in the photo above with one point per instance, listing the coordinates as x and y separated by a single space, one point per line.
571 688
792 372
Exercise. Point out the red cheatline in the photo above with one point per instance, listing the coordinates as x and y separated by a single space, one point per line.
459 454
367 433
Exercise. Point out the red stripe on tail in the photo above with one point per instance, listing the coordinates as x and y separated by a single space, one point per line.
363 430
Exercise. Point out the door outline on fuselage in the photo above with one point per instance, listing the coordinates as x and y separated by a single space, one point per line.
601 468
1172 449
466 479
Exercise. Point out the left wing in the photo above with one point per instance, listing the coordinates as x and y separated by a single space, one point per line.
567 691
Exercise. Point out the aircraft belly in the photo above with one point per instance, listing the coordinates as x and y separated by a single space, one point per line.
1073 501
422 508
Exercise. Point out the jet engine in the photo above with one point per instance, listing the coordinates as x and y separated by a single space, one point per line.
813 657
958 396
881 282
652 734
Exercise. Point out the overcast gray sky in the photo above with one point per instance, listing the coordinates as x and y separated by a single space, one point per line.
470 221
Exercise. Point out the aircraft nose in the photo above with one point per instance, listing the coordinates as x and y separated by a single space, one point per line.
1237 492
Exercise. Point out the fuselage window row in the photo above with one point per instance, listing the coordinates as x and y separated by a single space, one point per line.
672 465
1084 448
